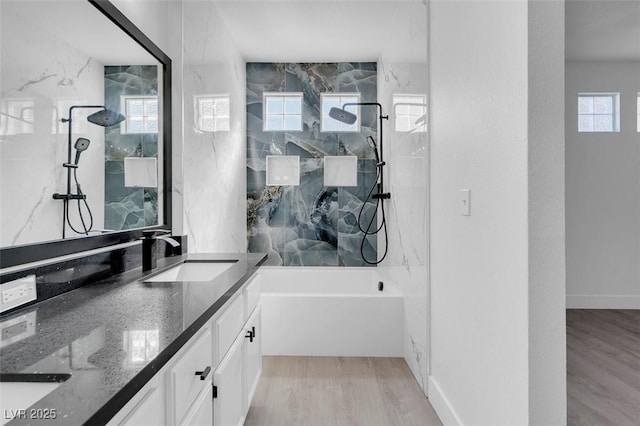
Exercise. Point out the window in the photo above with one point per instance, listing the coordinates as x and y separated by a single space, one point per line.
16 116
212 113
141 113
410 113
334 100
598 112
282 112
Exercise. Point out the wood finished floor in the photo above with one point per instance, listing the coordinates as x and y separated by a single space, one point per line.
603 367
328 391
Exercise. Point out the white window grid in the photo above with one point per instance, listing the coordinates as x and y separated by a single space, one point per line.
213 113
410 113
141 113
337 100
598 112
17 116
282 111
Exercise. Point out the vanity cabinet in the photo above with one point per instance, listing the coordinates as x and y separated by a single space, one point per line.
237 375
212 378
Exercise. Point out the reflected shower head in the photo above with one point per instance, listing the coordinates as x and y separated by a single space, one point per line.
342 115
81 145
106 118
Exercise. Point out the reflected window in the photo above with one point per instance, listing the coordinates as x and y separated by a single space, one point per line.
598 112
335 100
141 346
141 113
16 116
61 110
282 112
410 113
213 113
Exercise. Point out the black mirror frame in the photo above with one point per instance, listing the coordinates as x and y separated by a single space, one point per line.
18 255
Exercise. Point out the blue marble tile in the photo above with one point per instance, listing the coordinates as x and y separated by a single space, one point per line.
309 224
127 208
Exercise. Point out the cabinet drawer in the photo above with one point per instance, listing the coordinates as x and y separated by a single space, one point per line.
186 384
251 295
228 326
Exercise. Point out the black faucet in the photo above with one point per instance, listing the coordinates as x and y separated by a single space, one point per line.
149 238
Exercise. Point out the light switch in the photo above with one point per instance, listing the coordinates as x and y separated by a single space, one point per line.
465 202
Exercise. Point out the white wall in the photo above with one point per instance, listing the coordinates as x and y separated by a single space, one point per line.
489 78
603 193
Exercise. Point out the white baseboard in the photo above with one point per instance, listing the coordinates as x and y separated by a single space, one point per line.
604 301
441 404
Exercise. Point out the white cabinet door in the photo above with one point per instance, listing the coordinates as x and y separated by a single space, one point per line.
201 413
228 405
253 351
149 411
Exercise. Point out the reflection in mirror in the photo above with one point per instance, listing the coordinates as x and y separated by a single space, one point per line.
62 164
410 112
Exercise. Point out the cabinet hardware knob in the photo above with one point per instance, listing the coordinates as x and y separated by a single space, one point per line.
203 374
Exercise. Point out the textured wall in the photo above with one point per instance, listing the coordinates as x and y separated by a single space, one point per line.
309 224
603 193
128 207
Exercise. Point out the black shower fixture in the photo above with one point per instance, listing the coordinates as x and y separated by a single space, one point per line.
80 146
105 118
377 190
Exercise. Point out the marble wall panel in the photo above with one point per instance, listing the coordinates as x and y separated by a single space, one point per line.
128 207
42 76
407 211
310 224
214 163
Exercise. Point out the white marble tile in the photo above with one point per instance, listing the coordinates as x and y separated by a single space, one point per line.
214 162
42 76
406 153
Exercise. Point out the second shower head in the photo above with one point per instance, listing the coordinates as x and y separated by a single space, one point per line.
106 118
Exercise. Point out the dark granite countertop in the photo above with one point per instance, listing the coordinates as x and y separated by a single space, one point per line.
113 336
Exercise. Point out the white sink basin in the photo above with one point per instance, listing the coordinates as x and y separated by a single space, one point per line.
192 271
18 396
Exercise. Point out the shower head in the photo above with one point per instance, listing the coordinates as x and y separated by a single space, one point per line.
81 145
106 118
342 115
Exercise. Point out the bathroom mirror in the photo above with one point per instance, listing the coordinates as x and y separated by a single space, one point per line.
68 186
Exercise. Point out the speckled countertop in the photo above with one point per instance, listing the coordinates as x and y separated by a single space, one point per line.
113 336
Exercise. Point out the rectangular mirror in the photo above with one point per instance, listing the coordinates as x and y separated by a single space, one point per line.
85 128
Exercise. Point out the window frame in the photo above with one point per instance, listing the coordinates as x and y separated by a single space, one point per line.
421 101
615 108
200 116
124 129
283 95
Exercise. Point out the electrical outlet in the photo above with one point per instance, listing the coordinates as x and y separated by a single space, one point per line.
15 329
17 292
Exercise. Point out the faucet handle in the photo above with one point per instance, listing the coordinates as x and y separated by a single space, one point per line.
152 233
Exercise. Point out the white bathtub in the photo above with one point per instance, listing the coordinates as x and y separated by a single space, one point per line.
329 312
